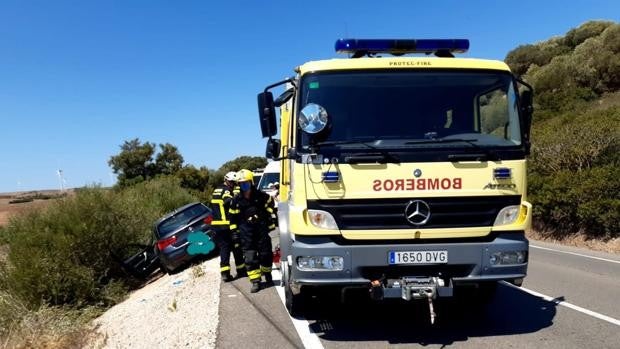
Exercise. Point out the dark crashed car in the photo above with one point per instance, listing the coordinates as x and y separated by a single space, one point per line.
173 230
178 237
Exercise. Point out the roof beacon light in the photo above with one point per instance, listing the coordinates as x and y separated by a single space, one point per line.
440 47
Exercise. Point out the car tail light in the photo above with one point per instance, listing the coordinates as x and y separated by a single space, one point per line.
161 244
208 219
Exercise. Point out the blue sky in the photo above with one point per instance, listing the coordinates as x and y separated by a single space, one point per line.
77 78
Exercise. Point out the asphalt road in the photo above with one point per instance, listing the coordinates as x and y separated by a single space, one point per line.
570 299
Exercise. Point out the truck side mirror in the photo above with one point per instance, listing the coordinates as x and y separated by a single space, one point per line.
267 114
284 97
527 103
527 109
272 150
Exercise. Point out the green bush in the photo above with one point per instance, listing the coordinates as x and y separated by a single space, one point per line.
574 180
586 201
62 255
576 142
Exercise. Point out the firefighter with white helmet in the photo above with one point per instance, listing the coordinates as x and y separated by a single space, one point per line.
227 240
250 213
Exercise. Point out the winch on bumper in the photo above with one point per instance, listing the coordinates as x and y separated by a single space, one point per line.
409 288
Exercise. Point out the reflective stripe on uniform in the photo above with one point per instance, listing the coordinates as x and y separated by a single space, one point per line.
269 209
265 269
220 223
222 220
233 211
254 274
241 266
233 226
225 268
273 226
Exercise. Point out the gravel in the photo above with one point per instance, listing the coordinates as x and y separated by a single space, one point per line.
174 311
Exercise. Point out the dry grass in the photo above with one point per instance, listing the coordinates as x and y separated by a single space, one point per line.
197 271
50 328
8 210
578 240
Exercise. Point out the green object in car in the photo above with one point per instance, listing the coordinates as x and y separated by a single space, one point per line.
199 243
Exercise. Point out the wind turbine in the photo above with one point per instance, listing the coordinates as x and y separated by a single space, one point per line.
62 180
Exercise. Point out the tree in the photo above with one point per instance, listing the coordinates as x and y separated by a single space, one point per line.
241 162
194 178
135 164
169 160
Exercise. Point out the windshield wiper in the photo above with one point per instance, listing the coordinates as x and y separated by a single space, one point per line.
381 155
470 141
381 158
349 141
487 154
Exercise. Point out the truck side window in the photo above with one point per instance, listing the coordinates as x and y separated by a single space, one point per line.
493 108
498 114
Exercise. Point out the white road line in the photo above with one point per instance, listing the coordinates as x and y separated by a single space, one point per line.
308 338
566 304
576 254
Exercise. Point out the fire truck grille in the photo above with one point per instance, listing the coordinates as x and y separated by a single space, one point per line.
445 212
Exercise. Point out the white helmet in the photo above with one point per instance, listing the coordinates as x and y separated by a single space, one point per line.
231 176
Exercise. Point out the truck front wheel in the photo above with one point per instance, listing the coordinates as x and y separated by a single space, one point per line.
293 302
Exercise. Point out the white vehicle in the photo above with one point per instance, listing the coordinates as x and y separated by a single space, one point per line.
270 181
258 173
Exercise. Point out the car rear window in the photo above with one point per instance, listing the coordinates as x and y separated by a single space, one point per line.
180 219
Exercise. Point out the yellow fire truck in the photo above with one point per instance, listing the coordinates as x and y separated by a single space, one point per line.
401 174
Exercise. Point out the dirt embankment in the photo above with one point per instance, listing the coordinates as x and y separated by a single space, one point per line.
173 311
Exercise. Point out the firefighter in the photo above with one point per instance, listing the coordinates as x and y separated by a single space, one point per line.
250 213
227 240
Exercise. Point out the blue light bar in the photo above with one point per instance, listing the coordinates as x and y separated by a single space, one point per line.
331 177
502 173
399 47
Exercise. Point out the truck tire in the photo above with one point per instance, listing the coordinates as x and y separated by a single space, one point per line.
293 302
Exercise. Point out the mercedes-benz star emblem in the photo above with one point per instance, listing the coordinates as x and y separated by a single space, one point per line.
417 212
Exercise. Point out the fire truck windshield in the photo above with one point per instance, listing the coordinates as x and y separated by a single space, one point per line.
404 109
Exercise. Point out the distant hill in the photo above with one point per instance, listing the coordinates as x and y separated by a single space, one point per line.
31 193
16 202
574 179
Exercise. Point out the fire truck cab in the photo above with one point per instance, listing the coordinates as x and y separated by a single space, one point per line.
401 174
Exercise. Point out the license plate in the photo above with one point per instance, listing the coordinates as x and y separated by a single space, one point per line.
418 257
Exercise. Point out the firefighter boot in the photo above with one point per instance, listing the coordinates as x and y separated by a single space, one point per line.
255 286
268 279
241 273
226 277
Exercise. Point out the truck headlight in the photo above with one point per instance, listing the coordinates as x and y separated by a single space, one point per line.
507 215
320 263
508 257
322 219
